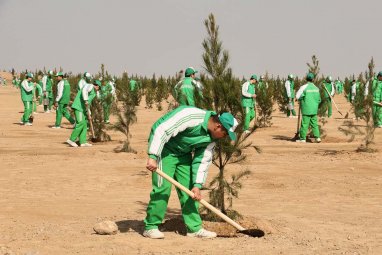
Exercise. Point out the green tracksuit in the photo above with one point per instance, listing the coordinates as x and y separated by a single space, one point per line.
184 91
262 85
327 99
290 94
133 85
339 87
309 97
37 96
16 82
80 111
47 87
27 98
107 98
377 98
183 147
62 99
248 103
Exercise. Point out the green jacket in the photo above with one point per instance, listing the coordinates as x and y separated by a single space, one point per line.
377 92
247 91
329 87
185 92
106 90
86 94
63 92
27 91
339 86
39 89
133 85
309 97
47 83
354 90
289 89
181 132
262 85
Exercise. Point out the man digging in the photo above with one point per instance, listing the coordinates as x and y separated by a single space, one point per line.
181 143
81 106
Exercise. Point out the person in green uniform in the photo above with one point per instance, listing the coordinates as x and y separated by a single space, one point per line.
62 100
86 79
133 85
37 94
262 84
339 86
47 88
181 144
184 90
309 98
290 94
328 86
107 100
377 101
248 96
16 82
27 98
81 107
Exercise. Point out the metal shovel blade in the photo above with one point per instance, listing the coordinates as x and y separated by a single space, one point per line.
252 232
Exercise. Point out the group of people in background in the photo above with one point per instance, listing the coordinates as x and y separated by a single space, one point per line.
41 92
309 97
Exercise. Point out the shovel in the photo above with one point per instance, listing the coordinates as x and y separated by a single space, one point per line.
333 101
249 232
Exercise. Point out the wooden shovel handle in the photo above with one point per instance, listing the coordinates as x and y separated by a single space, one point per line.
202 201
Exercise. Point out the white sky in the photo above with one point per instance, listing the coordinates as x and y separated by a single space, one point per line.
164 36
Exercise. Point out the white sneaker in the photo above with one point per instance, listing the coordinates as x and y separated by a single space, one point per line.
202 233
27 124
21 122
318 140
56 127
247 132
86 145
153 234
47 111
71 143
300 141
35 112
380 126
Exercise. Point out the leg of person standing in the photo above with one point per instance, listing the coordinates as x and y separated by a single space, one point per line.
330 108
27 111
66 113
80 129
304 127
190 207
161 192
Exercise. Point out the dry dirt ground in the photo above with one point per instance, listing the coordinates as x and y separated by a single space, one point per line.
310 198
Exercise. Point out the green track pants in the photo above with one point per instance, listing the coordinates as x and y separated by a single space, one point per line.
49 96
62 111
291 111
27 111
309 121
377 115
34 106
250 114
180 169
328 105
81 129
106 112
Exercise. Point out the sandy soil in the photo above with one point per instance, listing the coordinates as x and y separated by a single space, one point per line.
313 198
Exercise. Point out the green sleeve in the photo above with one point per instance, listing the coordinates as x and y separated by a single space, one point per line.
200 164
